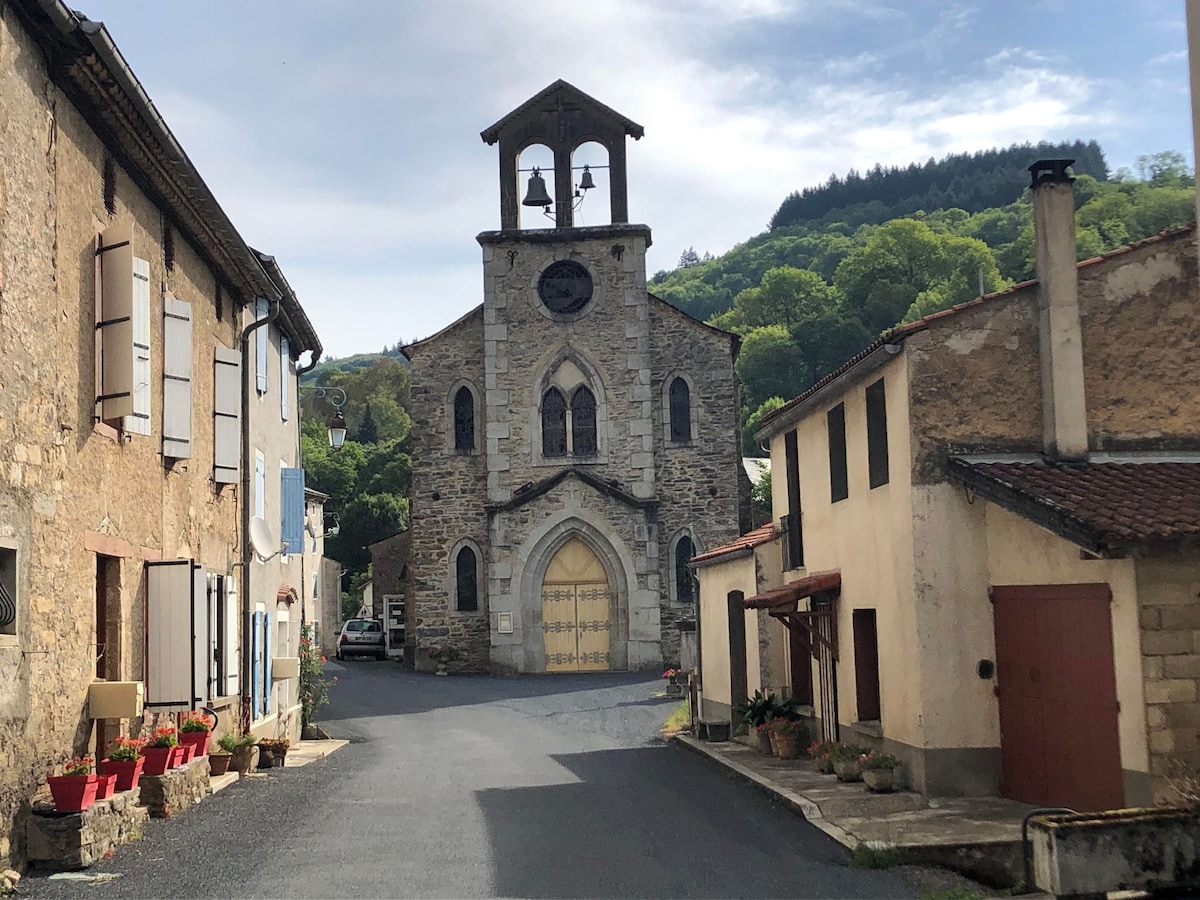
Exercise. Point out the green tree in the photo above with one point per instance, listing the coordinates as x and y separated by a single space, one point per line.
367 433
770 365
785 297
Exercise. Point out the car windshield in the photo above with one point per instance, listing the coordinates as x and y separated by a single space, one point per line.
363 625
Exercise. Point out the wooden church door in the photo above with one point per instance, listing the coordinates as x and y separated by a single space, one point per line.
576 611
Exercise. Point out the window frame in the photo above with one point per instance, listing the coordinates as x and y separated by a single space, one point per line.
839 476
10 576
675 570
472 444
575 430
864 624
877 437
452 581
547 433
679 432
795 524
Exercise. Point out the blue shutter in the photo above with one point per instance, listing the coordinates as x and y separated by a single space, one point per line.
260 344
291 502
267 652
256 662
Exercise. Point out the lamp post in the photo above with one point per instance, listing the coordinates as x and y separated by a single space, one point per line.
337 423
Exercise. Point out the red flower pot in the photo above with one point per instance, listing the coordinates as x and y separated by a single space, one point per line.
159 759
74 793
108 787
199 740
128 771
184 754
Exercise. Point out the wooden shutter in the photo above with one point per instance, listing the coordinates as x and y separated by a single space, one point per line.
216 621
256 663
176 635
793 531
839 485
114 325
138 422
230 649
285 370
227 414
877 442
291 501
268 653
177 378
260 344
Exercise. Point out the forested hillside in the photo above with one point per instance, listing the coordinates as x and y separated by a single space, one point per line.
806 296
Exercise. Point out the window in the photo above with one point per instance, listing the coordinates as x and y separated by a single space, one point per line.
223 617
8 591
177 378
464 420
554 423
839 487
685 579
466 581
877 446
866 664
680 402
794 532
138 422
285 371
227 414
583 422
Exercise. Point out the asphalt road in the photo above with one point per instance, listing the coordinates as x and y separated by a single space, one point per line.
551 786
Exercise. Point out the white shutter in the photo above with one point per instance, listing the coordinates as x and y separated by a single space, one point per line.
260 344
177 378
285 371
138 422
201 648
227 413
260 485
232 618
170 648
114 393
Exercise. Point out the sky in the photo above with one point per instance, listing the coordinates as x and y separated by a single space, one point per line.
342 136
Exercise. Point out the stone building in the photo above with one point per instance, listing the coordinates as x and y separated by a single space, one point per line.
575 438
389 579
984 559
124 294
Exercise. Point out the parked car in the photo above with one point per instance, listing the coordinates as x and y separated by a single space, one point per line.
361 637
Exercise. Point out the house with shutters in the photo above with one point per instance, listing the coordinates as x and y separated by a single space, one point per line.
983 557
135 390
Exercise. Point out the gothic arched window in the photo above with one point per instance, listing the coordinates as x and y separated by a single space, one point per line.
680 401
554 423
685 581
583 422
464 419
466 581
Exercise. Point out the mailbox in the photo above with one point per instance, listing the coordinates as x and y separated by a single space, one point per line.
284 667
115 699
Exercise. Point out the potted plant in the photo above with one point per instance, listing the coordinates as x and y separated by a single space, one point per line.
125 761
819 751
161 751
196 731
787 734
219 757
763 732
674 687
272 752
75 790
757 710
240 749
878 771
845 761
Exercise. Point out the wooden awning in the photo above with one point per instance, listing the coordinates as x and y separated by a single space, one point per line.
817 626
781 598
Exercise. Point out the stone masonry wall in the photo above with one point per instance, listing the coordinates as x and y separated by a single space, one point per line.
68 491
1169 607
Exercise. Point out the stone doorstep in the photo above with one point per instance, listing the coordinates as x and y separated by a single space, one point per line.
310 751
220 782
977 836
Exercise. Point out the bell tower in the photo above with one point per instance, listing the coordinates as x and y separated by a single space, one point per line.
561 117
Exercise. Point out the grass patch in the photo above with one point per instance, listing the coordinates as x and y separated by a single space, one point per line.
865 856
679 719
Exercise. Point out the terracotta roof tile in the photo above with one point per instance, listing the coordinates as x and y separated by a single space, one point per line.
751 539
1113 504
795 590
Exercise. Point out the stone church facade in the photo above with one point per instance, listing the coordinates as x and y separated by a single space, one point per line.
575 438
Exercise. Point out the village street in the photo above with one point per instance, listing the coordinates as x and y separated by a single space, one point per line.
474 787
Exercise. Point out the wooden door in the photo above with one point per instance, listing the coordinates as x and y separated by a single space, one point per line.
1057 688
576 611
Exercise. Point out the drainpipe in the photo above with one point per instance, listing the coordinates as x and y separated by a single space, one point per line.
300 371
247 550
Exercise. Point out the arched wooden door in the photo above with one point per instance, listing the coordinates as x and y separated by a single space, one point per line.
576 611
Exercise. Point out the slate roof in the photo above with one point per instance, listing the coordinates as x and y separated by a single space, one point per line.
1103 506
748 541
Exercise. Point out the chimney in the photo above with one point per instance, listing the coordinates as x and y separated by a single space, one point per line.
1064 411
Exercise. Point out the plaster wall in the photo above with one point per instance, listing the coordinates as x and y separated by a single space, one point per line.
716 581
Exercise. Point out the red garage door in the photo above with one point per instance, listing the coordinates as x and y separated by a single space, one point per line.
1058 696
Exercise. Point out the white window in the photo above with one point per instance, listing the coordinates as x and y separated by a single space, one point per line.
261 307
285 372
177 378
138 422
178 652
227 415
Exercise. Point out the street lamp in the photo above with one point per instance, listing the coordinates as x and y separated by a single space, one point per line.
337 424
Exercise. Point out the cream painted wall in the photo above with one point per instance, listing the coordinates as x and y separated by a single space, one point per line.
716 581
868 538
1020 552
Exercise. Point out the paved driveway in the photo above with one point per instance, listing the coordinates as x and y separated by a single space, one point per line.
552 786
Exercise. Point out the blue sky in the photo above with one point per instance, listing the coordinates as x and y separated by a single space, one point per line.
343 137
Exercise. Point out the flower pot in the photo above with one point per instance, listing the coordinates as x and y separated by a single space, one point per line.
847 770
184 754
74 793
128 771
787 746
771 739
199 739
824 765
158 759
266 758
218 763
280 756
879 781
764 741
108 787
241 759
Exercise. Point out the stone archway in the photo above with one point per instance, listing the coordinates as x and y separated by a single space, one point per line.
576 611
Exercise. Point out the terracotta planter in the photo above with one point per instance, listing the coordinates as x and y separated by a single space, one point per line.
824 765
198 739
787 746
879 781
764 741
74 793
847 770
242 759
128 771
218 763
158 759
772 741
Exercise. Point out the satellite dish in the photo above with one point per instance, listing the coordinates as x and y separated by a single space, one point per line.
261 540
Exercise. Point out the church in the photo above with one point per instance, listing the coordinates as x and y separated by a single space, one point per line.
575 439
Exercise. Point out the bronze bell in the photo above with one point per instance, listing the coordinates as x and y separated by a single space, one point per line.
536 194
586 183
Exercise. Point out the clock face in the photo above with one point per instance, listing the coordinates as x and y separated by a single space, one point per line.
565 287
